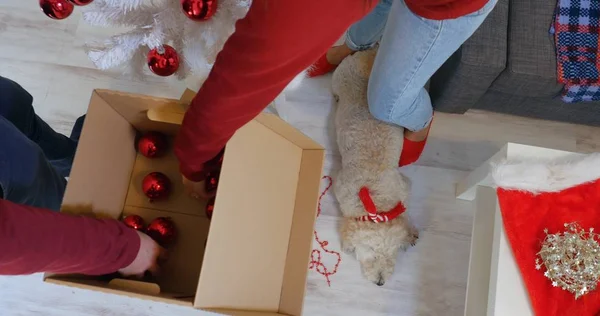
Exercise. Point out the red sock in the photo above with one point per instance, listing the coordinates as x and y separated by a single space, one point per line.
411 151
320 67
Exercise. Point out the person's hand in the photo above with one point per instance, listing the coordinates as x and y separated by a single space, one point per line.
196 190
147 259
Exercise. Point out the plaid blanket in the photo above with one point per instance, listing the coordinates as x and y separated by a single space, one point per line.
575 27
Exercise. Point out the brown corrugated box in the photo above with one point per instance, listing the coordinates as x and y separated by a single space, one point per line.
258 242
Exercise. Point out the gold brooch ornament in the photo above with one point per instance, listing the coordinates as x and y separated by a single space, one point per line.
571 259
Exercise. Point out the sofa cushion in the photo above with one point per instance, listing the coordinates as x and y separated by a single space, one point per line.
553 109
470 72
531 66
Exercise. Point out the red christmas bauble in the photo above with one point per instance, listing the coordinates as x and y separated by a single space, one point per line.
163 61
81 2
212 180
199 10
134 221
152 144
57 9
210 206
156 186
162 230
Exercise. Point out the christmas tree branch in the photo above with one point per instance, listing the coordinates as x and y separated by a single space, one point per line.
126 5
100 14
155 23
117 50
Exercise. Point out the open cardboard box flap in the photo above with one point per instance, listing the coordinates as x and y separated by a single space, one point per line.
260 237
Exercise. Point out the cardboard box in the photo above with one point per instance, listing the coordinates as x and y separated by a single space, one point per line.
252 257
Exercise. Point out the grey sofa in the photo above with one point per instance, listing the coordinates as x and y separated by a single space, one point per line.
509 66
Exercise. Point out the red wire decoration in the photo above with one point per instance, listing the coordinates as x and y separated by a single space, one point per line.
316 255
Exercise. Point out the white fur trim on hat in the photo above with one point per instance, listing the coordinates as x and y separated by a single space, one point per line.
547 175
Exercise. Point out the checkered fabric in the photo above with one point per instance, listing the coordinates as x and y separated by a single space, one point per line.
575 28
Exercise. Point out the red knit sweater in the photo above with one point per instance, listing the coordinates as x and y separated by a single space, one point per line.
38 240
272 44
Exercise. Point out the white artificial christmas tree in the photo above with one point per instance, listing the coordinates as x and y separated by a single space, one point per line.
153 23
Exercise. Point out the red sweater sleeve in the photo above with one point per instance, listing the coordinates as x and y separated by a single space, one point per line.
444 9
274 42
38 240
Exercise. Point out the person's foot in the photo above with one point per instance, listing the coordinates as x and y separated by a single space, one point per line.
414 143
329 61
417 136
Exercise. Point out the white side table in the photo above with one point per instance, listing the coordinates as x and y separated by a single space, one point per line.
494 286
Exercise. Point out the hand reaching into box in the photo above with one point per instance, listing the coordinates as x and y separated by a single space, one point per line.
147 258
37 240
206 189
197 190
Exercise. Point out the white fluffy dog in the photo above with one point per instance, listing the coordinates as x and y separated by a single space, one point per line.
370 151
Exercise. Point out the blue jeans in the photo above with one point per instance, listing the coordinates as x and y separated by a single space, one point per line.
34 159
411 50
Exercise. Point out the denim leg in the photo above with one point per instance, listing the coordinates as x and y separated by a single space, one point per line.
411 51
365 33
26 176
16 107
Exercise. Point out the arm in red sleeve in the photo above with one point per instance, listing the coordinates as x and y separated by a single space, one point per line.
38 240
274 42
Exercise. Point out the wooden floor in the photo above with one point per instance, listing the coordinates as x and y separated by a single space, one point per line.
46 57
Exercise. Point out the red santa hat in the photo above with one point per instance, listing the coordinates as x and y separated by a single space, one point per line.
548 209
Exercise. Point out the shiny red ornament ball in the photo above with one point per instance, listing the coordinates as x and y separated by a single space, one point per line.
163 61
57 9
81 2
152 144
134 221
199 10
162 230
210 206
156 186
212 180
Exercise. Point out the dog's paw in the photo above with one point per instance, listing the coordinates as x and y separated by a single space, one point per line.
414 238
348 248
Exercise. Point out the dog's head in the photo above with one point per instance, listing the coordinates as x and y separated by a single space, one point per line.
352 76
